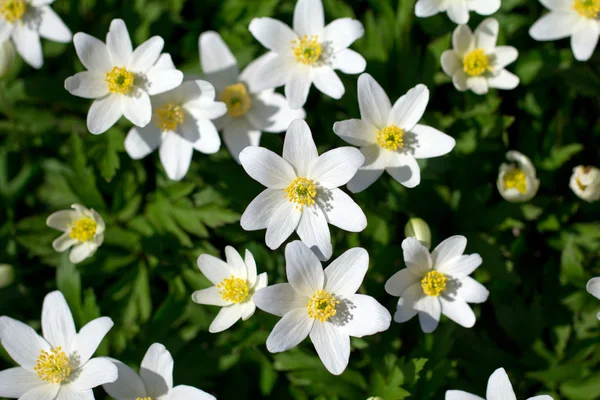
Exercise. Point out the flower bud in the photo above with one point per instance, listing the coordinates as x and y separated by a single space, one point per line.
418 228
7 57
375 398
517 180
585 182
7 275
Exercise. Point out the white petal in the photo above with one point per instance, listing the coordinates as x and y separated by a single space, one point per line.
326 80
271 112
429 309
248 308
175 155
450 62
503 56
91 52
403 168
303 268
87 84
95 372
215 56
458 11
401 281
209 141
486 34
332 345
15 382
205 109
374 104
542 397
499 386
484 7
336 167
183 392
52 26
554 26
562 5
299 148
63 242
504 80
584 40
210 296
309 18
145 55
356 132
447 252
137 107
58 326
118 43
214 269
341 33
458 311
349 62
267 168
282 223
408 109
197 90
250 73
429 142
226 318
156 370
406 307
460 81
82 251
62 219
427 8
44 392
160 80
275 72
27 41
314 232
298 86
460 266
273 34
104 113
593 287
478 84
250 264
367 316
22 343
471 291
164 62
142 141
89 338
259 211
341 211
279 299
238 135
346 273
416 256
236 262
462 40
371 170
292 329
460 395
129 385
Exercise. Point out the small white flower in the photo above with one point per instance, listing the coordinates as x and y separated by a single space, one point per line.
585 183
308 54
302 192
82 227
25 21
458 10
7 57
181 123
437 283
476 63
517 181
498 388
389 137
235 284
119 78
155 380
58 365
322 304
578 19
593 288
249 112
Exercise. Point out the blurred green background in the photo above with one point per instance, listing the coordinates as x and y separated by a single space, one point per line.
539 322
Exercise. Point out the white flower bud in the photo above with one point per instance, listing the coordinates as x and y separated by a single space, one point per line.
585 182
517 180
418 228
7 57
7 275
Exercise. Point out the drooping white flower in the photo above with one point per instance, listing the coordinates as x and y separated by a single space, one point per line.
322 304
458 10
59 364
83 228
181 123
302 192
155 380
593 288
585 183
389 137
308 54
517 180
437 283
578 19
7 57
119 78
25 21
498 388
476 63
235 283
249 112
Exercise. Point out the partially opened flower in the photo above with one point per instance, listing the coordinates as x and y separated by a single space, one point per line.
585 183
578 19
458 10
517 181
322 304
498 388
83 230
593 288
308 54
249 112
476 63
302 192
120 79
437 283
235 283
155 380
7 57
25 21
59 364
181 123
391 138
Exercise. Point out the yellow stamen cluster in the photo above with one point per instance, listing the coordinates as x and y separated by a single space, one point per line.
321 305
168 117
233 289
119 80
302 192
390 138
515 178
13 10
307 49
84 229
476 63
237 99
587 8
434 283
53 366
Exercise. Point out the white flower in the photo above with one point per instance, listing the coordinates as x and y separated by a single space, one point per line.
25 21
7 57
119 78
82 227
593 288
58 365
155 380
389 137
476 63
322 304
579 19
235 284
249 112
308 54
181 123
302 191
498 388
437 283
458 10
585 183
517 181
